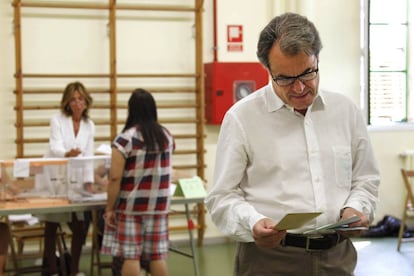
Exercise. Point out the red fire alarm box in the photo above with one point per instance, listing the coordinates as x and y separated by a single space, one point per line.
227 82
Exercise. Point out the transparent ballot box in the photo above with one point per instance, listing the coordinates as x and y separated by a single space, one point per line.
33 177
87 177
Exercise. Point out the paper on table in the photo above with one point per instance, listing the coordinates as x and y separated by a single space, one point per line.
23 217
104 149
172 188
190 187
27 218
91 198
295 220
21 168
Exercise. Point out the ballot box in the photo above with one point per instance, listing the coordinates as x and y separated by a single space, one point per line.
76 179
87 177
33 177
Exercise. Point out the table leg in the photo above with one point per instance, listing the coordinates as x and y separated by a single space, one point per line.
192 243
201 222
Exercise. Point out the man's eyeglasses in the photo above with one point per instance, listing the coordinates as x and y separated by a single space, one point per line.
285 81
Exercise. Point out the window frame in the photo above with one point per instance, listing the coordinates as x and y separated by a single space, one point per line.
366 70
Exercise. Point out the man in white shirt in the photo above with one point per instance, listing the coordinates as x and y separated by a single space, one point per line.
290 148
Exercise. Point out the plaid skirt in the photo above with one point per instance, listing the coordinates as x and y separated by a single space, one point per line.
138 237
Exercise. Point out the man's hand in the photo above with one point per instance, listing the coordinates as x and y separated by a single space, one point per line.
265 235
364 222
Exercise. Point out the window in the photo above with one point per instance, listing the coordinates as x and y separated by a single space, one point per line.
386 43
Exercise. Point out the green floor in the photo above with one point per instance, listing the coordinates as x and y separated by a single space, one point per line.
377 257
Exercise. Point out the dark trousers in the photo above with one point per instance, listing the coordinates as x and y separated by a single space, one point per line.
251 260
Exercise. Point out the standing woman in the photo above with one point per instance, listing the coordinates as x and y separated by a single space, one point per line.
71 134
136 214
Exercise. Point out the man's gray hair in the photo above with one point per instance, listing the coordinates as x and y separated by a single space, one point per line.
293 32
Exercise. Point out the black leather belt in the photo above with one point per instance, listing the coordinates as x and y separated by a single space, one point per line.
320 242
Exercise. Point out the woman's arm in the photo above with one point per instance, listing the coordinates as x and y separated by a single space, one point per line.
114 186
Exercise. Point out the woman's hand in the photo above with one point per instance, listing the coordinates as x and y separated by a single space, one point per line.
110 219
73 153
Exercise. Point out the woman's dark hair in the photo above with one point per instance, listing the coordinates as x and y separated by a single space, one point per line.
142 113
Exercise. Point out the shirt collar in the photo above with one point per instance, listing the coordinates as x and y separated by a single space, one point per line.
275 103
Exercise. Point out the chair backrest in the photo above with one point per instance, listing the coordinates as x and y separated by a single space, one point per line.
407 175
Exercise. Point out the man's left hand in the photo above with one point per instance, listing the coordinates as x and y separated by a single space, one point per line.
363 222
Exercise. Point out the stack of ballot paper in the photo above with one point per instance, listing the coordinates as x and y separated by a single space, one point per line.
297 220
342 225
27 218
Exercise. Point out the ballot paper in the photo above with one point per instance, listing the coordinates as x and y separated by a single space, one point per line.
104 149
295 220
92 198
27 218
342 225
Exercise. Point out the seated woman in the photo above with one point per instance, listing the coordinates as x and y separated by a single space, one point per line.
71 135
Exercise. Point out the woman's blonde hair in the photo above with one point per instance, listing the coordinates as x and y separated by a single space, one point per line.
70 89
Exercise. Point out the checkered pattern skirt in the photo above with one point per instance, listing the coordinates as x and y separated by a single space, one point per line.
139 237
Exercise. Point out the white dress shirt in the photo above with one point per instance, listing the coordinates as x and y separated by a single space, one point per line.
272 161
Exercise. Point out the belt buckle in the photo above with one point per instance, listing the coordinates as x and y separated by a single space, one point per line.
308 240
